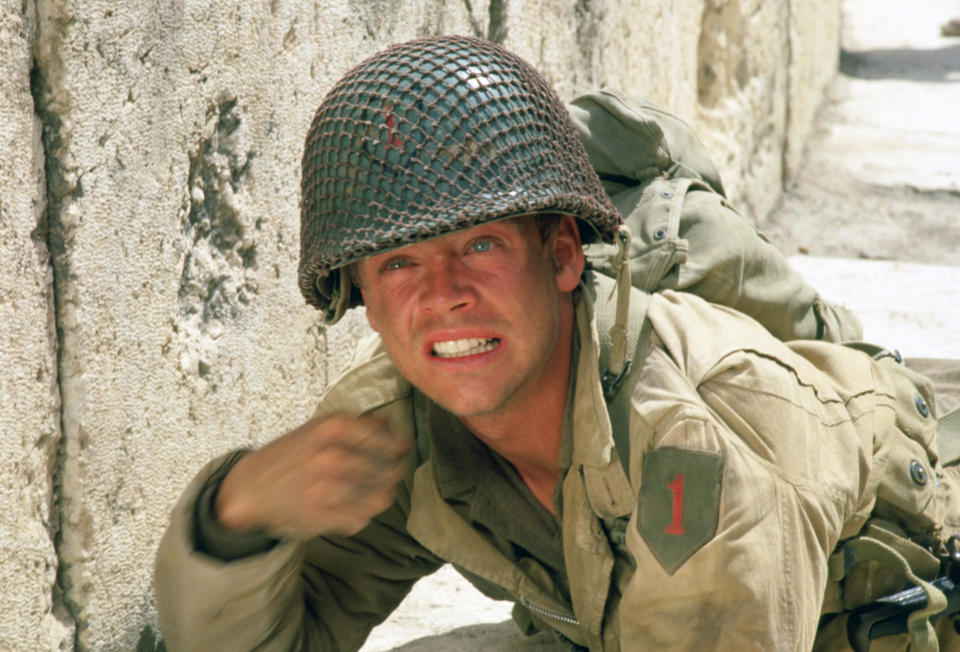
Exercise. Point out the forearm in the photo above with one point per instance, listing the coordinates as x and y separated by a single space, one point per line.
206 603
325 593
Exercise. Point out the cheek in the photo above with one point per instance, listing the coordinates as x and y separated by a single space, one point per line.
390 312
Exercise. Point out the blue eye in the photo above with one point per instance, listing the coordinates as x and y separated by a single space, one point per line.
481 246
394 264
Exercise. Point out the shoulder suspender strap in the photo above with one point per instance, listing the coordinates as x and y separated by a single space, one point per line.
420 427
637 340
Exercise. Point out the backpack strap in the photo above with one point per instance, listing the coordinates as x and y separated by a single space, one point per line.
637 342
420 428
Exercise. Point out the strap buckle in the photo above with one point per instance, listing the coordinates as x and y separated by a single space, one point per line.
609 382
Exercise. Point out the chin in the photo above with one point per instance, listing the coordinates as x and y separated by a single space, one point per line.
467 407
463 409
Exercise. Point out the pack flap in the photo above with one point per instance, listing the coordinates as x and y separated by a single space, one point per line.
630 139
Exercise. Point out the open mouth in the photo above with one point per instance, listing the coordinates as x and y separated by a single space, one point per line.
462 348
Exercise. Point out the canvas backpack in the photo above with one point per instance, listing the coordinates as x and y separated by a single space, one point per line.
639 150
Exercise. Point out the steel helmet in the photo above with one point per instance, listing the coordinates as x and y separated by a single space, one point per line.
429 137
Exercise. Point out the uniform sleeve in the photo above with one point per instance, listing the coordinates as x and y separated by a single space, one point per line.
324 594
213 538
742 497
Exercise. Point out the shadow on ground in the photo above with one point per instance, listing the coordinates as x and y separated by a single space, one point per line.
937 65
497 636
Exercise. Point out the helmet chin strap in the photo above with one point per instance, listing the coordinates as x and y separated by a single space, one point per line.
618 363
339 291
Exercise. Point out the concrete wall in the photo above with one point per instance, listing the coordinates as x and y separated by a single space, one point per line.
149 158
29 396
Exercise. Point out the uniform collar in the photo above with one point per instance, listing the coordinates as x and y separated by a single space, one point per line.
607 487
592 435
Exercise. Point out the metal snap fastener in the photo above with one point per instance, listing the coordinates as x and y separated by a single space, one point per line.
659 234
921 406
888 353
666 194
918 473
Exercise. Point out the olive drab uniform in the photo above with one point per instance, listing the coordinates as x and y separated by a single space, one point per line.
724 489
752 465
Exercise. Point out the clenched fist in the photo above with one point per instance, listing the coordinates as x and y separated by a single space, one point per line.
329 476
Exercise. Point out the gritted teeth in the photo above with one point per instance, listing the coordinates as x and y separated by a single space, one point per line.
464 347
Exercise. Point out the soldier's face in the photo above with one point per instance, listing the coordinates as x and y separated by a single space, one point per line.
478 320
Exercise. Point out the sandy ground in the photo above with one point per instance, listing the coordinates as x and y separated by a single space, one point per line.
881 178
872 220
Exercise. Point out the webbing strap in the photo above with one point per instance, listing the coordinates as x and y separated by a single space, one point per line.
864 548
622 318
948 436
619 359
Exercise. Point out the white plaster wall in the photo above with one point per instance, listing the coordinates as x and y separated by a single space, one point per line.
171 140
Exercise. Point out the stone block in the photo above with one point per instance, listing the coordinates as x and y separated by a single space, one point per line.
813 48
29 396
174 133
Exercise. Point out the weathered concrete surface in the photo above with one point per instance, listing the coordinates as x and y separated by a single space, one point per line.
173 135
814 39
903 79
29 398
747 74
155 320
445 612
762 69
649 49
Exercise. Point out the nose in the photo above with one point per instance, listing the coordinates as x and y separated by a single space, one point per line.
447 288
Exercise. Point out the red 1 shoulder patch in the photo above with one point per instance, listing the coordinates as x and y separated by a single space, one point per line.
679 505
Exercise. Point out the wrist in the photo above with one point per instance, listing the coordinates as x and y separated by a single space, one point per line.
211 537
231 509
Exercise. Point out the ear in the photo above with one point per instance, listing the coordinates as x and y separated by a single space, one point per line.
567 254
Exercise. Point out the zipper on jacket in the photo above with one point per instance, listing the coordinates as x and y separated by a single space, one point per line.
556 615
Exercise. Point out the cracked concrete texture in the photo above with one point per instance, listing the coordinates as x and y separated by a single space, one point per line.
149 237
29 417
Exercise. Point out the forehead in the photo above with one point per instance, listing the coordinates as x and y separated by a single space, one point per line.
522 227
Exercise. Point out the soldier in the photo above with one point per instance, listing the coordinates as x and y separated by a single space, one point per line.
634 471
